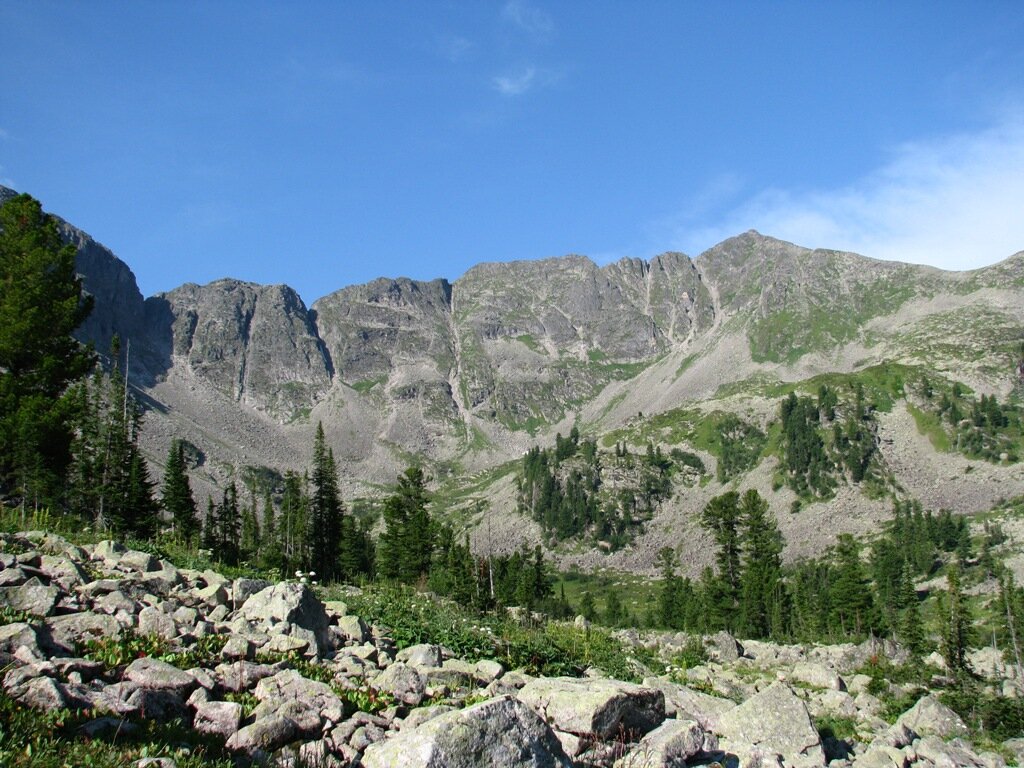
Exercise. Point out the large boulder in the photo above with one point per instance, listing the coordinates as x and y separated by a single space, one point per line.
295 607
687 704
34 599
670 744
601 707
930 717
403 682
498 733
774 721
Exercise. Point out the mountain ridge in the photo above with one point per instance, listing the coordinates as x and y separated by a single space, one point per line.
465 375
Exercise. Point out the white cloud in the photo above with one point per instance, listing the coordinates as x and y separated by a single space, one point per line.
516 84
955 202
533 21
4 135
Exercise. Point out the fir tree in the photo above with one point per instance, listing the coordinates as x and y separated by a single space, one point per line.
41 304
721 517
911 629
325 511
587 608
956 632
761 602
405 547
850 598
177 498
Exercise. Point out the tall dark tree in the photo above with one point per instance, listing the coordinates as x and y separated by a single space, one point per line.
325 511
721 517
177 497
405 547
956 632
41 303
761 599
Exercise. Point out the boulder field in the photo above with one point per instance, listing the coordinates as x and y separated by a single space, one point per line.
285 679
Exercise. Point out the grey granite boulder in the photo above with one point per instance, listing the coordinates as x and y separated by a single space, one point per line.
403 682
293 607
930 717
603 707
670 744
159 675
498 733
774 721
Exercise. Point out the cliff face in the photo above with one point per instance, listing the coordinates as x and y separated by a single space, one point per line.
255 344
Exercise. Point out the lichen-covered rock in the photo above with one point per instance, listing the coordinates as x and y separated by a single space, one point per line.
293 605
670 744
603 707
403 682
218 717
775 721
498 733
159 675
930 717
684 703
266 734
35 599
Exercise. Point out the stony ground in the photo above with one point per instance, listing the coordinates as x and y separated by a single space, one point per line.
293 681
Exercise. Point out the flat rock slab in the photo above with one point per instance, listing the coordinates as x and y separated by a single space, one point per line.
498 733
775 721
602 707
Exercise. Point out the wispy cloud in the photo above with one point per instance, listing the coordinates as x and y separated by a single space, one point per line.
517 83
456 48
534 21
952 201
4 135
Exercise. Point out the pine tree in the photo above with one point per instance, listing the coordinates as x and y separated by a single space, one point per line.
761 602
911 629
850 598
956 635
325 511
249 545
668 598
229 527
721 517
291 528
406 545
177 498
41 304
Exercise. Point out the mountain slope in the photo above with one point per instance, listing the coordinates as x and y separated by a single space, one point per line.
465 376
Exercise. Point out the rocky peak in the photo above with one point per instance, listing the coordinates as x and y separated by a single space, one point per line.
256 344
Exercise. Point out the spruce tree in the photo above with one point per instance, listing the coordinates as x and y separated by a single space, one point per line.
325 511
176 494
41 304
911 629
407 542
956 633
721 517
851 601
761 602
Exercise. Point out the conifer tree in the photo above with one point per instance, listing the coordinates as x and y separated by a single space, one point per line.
177 497
406 545
325 511
911 629
292 526
721 517
41 304
850 597
249 545
229 527
956 634
761 602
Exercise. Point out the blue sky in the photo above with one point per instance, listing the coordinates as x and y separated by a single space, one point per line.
322 144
